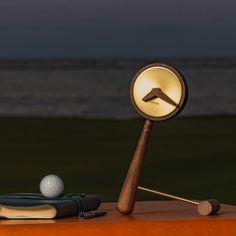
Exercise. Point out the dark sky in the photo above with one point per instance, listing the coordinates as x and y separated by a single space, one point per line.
124 28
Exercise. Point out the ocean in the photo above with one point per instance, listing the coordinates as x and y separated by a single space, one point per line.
100 88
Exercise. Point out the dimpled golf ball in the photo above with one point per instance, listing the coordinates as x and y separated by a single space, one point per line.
51 186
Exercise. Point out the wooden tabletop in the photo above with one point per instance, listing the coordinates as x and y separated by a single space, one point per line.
164 218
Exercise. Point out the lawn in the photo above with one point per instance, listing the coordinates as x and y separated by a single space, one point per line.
191 157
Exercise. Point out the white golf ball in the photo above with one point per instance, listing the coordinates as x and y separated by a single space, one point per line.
51 186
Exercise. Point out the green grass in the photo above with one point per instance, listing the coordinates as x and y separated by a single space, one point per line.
191 157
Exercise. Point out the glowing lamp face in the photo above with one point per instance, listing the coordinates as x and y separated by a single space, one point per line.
158 92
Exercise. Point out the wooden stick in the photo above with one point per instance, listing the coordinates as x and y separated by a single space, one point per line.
206 208
127 196
168 195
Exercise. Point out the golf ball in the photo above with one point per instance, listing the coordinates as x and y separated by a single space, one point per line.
51 186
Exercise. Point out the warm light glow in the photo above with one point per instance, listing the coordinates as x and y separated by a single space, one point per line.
157 77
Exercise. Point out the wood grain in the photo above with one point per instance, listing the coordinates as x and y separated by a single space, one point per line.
162 218
127 196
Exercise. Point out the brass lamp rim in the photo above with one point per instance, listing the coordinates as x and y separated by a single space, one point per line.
184 94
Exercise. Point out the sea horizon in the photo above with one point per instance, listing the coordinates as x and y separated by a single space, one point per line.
99 88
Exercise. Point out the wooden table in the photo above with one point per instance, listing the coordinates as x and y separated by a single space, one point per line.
160 218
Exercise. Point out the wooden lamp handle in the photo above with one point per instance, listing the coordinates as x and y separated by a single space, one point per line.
127 196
